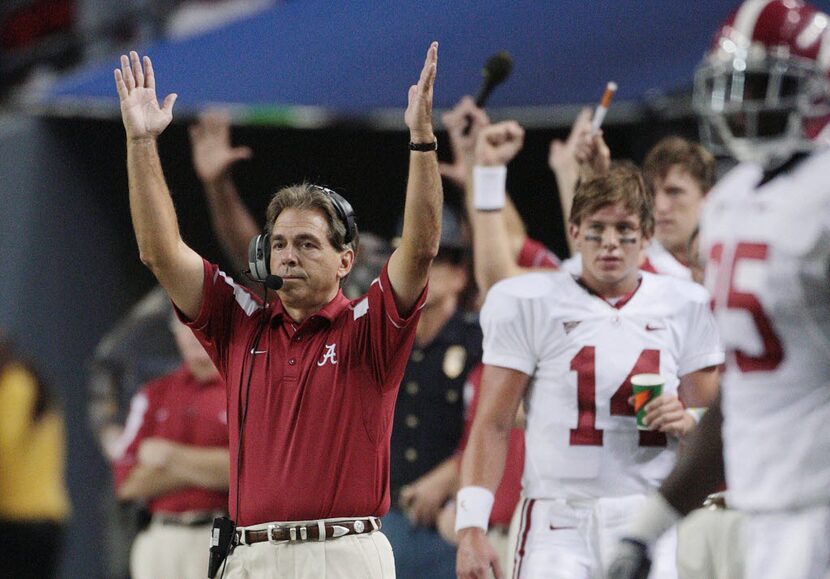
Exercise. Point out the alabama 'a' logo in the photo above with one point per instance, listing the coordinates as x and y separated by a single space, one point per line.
330 355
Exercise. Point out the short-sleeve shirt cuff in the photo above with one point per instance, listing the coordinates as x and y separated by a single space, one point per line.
512 362
389 305
700 361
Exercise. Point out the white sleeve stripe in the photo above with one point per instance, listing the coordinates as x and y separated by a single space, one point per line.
138 408
245 301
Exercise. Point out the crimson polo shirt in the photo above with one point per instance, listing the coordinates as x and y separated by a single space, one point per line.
179 408
322 397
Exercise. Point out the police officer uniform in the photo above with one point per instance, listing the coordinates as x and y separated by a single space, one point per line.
429 422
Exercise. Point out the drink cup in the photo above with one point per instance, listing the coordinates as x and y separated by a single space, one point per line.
646 387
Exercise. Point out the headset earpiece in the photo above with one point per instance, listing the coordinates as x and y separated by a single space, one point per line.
344 212
259 257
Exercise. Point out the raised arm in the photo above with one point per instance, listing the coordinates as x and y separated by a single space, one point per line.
494 256
410 263
213 156
459 172
580 156
177 267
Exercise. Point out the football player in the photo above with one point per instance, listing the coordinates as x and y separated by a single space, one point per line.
762 93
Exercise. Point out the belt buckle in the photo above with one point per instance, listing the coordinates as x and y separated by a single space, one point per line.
270 534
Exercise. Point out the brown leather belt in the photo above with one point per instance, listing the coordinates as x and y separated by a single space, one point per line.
301 532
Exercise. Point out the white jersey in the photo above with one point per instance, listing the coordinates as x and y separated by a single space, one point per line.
657 260
580 352
768 265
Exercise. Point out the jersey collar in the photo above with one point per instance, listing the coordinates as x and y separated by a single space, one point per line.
618 304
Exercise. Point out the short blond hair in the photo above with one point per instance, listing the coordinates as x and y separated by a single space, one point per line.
623 183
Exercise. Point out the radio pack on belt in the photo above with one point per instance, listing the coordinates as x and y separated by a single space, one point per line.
220 543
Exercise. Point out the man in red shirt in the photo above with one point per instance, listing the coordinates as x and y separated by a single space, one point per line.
173 453
311 377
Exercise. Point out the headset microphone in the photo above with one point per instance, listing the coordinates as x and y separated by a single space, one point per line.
273 282
495 72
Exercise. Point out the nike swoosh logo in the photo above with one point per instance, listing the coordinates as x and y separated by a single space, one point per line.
650 328
259 352
552 528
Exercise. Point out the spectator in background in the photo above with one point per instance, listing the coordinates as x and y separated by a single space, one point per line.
173 454
136 350
429 414
34 503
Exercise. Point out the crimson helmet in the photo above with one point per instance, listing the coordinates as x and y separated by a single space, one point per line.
762 91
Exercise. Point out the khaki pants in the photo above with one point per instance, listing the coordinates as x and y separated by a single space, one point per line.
710 545
367 556
171 551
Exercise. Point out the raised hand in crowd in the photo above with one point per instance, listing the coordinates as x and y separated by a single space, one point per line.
581 156
213 154
498 144
213 157
461 144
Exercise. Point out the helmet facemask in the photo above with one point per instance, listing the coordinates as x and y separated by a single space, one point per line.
753 104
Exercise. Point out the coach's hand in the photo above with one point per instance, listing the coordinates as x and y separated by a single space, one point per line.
476 556
418 115
143 117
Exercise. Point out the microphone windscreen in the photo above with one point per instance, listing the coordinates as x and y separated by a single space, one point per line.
273 282
498 67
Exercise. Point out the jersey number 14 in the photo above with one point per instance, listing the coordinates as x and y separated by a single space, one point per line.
586 433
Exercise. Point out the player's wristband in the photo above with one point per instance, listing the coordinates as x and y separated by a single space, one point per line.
653 519
696 413
489 186
472 508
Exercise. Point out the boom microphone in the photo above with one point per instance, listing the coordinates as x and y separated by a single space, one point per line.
495 72
273 282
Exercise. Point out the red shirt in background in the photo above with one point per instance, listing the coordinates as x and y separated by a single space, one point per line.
179 408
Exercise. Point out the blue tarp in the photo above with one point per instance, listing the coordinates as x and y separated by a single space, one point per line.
357 57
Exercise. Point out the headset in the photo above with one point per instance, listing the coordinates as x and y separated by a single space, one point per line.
259 249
